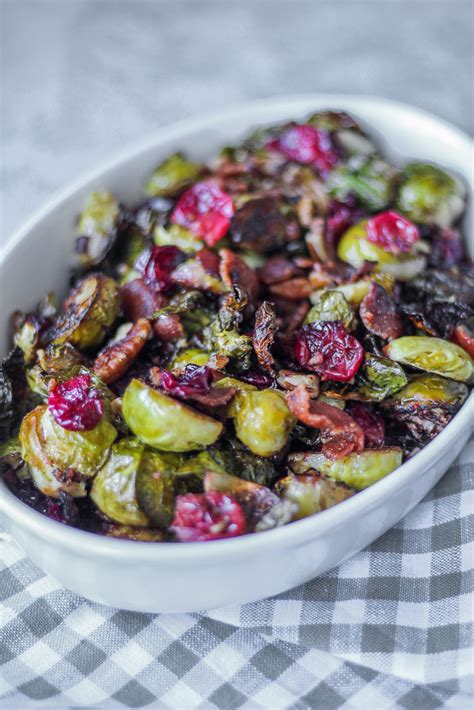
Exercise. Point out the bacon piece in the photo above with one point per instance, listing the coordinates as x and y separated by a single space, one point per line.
264 335
340 433
235 272
379 313
115 359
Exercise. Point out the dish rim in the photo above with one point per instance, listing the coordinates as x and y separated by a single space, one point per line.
88 542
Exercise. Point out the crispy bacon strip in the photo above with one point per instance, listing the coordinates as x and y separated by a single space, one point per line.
340 433
264 335
114 361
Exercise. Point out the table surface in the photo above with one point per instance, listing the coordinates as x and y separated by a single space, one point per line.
82 79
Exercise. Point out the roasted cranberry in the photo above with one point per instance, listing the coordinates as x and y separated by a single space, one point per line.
156 265
207 516
341 216
258 379
193 380
306 145
75 404
371 423
328 349
392 232
205 210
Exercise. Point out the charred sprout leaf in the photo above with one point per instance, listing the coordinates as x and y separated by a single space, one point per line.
97 227
164 423
88 313
357 470
430 195
331 306
259 225
80 451
311 494
369 178
262 420
192 275
113 490
433 355
44 473
234 458
177 236
264 335
172 175
27 338
228 342
155 486
12 389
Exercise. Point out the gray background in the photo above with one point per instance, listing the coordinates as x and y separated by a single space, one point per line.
82 78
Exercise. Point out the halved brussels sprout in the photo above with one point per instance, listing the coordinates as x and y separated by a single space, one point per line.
378 378
234 382
354 293
430 195
228 342
155 486
369 178
331 306
354 248
348 133
59 362
113 490
81 451
97 227
356 470
177 236
88 312
262 420
311 494
255 500
432 388
433 355
164 423
174 173
43 470
191 356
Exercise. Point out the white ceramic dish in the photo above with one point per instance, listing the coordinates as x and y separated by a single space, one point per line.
196 576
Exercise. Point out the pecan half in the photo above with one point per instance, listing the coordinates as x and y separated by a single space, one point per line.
115 360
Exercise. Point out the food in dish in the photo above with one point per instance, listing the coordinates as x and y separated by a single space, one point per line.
260 339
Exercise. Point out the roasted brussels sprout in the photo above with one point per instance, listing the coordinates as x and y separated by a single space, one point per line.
172 175
97 227
429 195
47 476
433 355
348 134
378 378
355 292
311 494
369 178
155 486
177 236
12 391
164 423
228 342
113 490
81 451
255 500
426 404
88 313
262 420
190 356
358 470
331 306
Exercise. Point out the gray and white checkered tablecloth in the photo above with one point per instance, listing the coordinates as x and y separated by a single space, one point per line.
390 628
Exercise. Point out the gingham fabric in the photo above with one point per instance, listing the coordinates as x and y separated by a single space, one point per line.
390 628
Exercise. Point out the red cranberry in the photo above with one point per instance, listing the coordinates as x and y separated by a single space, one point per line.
193 380
328 349
306 145
207 516
76 405
392 232
342 215
156 265
258 379
371 423
205 210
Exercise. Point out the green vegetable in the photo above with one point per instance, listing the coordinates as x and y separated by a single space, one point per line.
43 470
98 223
429 195
174 173
191 356
378 378
155 483
262 420
311 494
175 235
331 306
82 451
433 355
369 178
355 292
164 423
432 389
228 342
349 134
356 470
113 490
90 310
